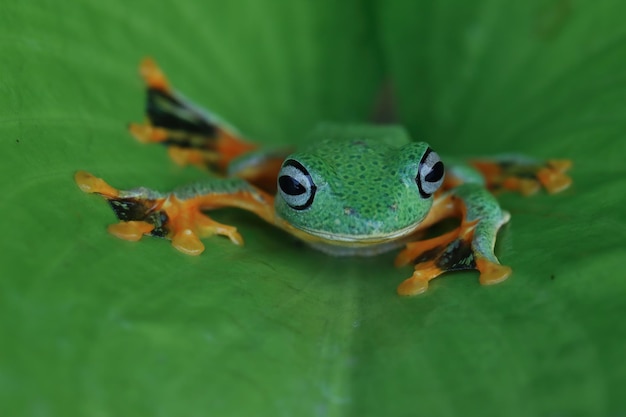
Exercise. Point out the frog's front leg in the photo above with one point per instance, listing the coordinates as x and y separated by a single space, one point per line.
179 215
470 246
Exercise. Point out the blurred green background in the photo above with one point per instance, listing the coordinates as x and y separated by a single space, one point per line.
95 326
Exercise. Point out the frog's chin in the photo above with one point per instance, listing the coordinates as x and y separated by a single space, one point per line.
347 245
363 250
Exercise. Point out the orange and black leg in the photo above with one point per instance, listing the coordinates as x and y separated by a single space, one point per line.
468 247
198 137
525 175
178 215
192 135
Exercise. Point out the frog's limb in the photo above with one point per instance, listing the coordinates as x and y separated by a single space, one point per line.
179 215
197 137
259 168
193 135
469 246
522 174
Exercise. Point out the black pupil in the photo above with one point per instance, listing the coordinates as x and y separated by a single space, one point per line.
436 173
290 186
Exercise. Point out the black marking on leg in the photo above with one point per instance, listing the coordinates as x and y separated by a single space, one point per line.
429 255
167 111
527 175
132 209
517 169
190 142
505 165
159 220
129 209
457 256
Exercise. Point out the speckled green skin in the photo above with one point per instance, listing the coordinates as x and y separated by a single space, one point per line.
481 205
212 186
365 178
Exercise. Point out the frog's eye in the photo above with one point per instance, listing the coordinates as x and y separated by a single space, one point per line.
296 185
429 173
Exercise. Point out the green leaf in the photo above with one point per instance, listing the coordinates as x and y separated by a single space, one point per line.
92 325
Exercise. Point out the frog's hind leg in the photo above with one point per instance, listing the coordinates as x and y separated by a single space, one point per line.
192 135
468 247
523 174
178 215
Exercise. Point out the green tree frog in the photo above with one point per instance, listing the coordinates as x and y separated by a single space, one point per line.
354 190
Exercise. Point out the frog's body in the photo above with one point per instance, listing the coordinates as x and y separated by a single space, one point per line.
353 190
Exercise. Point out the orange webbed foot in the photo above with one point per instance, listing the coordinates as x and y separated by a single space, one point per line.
427 256
208 227
89 183
553 177
492 273
418 282
152 75
187 224
132 230
146 133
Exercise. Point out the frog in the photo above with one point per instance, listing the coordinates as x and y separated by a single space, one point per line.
351 190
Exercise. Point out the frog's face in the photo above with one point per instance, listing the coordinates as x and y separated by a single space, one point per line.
358 190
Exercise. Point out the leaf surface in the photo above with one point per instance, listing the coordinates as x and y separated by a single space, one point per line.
92 325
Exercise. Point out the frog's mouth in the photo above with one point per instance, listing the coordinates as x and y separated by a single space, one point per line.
350 240
354 245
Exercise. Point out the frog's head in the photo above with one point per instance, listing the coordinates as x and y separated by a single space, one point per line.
358 191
